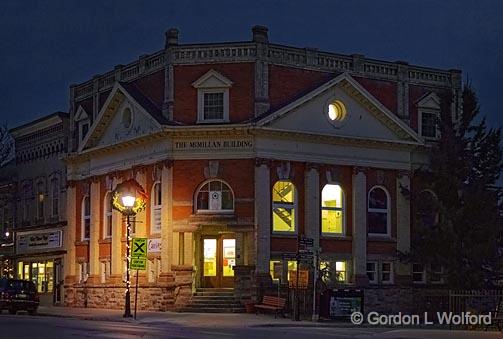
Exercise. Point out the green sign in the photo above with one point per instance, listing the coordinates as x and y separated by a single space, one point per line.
139 247
138 264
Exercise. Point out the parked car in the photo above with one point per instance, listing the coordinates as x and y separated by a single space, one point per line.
18 295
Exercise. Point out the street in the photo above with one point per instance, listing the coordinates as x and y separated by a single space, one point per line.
24 326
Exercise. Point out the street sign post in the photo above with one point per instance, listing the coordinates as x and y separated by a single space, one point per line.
138 262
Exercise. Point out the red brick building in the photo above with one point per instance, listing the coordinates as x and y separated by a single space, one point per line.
243 147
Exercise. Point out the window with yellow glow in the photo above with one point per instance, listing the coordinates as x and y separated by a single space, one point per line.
284 205
292 266
229 257
332 210
210 257
275 269
333 271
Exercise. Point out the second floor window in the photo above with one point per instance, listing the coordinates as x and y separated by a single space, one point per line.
378 215
55 197
86 218
107 212
284 207
156 200
332 210
215 196
40 201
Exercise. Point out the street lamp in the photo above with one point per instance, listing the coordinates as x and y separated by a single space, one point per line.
128 198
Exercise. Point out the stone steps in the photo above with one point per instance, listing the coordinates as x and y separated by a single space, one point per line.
213 300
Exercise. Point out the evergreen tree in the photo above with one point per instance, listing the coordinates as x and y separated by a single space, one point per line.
465 234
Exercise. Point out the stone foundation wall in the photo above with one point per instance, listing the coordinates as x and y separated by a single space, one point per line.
171 292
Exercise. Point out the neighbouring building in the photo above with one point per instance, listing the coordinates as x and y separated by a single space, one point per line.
243 147
33 187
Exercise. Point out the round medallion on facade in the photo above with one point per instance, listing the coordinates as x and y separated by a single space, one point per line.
127 117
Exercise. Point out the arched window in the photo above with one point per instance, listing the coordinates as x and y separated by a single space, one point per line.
156 205
86 218
426 208
215 196
107 216
284 207
332 210
55 197
378 215
40 200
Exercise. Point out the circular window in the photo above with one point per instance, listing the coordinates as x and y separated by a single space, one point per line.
127 117
336 111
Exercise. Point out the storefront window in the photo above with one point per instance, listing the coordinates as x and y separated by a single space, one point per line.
41 273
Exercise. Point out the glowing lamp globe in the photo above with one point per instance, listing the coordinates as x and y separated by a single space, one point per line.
129 197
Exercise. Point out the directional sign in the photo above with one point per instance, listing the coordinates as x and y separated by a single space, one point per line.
289 256
139 247
306 241
138 263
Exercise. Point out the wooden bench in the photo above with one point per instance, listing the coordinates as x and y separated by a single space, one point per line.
272 303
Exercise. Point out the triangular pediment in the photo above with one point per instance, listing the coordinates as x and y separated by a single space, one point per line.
212 79
365 117
81 114
121 118
430 101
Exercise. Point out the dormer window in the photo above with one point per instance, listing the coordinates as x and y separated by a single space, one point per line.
212 98
84 128
429 116
213 106
83 123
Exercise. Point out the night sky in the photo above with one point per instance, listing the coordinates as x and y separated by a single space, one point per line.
48 45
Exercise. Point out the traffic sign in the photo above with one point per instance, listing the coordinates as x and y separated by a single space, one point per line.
138 263
139 247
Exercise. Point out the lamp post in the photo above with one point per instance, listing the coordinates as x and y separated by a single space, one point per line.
128 198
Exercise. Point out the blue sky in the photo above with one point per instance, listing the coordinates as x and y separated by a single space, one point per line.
47 45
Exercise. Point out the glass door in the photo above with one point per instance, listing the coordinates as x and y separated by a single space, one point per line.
218 260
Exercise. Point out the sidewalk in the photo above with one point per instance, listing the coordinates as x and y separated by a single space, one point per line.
183 319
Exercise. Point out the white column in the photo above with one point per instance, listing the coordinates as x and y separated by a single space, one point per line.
359 226
312 206
70 232
166 218
403 222
141 217
94 250
262 217
117 258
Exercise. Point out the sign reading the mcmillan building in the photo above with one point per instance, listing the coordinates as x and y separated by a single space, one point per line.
213 144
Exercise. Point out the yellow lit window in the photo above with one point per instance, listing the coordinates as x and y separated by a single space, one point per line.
333 271
340 269
292 266
332 209
275 269
283 206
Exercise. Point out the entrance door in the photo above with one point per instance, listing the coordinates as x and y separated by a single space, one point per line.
218 260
